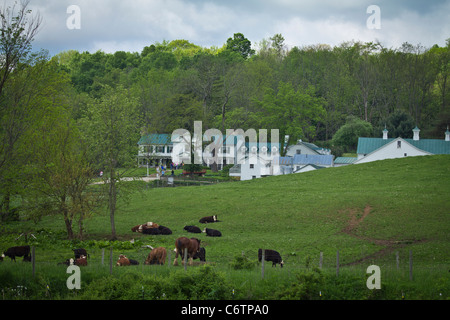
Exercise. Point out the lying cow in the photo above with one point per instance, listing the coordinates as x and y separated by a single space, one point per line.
209 219
212 232
123 261
192 229
80 252
156 231
81 261
156 256
19 251
146 226
271 255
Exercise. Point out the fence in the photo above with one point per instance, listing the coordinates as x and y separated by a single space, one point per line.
292 262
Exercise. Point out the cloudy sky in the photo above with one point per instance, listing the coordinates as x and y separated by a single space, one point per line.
112 25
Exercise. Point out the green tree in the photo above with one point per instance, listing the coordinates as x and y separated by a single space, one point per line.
292 112
347 136
111 131
240 44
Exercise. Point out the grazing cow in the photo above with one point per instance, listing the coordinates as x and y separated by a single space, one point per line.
192 229
212 232
156 256
271 255
192 245
209 219
80 252
19 251
201 254
81 261
123 261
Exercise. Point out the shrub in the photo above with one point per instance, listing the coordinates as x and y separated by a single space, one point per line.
241 262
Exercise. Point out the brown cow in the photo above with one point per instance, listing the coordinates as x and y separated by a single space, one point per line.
81 261
156 256
123 261
192 245
148 225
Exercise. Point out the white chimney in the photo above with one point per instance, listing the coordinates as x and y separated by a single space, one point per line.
447 135
385 133
416 134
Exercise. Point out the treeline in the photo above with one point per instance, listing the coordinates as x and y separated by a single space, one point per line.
305 92
65 118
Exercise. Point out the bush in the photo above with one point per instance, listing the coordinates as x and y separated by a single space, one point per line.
241 262
306 287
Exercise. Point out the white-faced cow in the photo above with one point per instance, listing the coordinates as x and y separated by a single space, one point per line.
80 252
192 229
19 251
212 233
123 261
271 255
209 219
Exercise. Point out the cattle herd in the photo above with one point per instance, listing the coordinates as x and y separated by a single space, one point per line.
183 245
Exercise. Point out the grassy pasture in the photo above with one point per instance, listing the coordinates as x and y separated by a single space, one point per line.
368 212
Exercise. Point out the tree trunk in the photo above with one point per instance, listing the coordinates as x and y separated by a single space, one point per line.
112 203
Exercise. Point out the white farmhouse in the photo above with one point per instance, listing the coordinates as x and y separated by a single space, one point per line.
372 149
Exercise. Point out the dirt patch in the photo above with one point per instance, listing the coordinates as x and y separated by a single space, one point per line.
356 219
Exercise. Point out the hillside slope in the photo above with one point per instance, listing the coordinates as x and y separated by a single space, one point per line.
360 210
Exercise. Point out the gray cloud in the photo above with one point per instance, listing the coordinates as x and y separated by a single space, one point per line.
112 25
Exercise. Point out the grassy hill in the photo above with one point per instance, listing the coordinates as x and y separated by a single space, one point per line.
356 209
367 212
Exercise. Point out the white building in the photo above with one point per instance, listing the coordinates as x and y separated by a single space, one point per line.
372 149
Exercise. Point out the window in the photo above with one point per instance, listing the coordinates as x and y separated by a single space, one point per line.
252 166
169 149
399 144
299 151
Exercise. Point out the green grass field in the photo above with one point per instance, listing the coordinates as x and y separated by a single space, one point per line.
367 212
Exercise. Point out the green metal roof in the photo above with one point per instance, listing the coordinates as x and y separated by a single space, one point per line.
156 139
434 146
345 160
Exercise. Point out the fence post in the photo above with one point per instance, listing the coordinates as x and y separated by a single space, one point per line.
320 260
103 256
185 259
410 265
33 259
110 259
262 264
397 259
337 263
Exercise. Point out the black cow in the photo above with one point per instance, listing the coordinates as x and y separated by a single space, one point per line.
212 232
19 251
192 229
200 254
271 255
80 252
157 231
209 219
164 230
133 262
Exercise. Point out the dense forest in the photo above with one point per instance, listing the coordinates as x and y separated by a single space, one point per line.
65 116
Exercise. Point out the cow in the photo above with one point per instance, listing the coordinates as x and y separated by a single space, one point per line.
156 256
201 254
164 230
19 251
141 227
156 231
80 252
192 245
81 261
212 232
133 262
209 219
271 255
123 261
192 229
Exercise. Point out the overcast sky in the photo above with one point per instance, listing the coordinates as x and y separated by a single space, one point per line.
112 25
